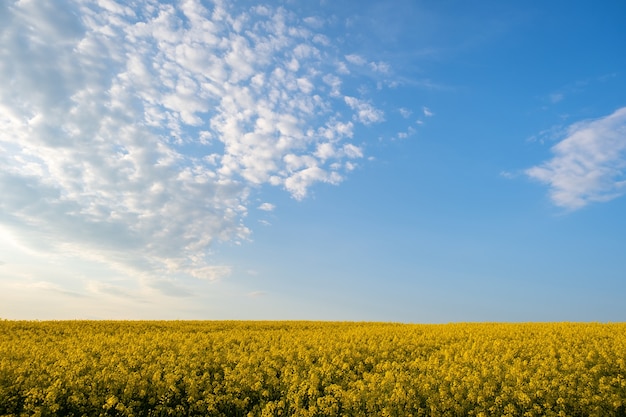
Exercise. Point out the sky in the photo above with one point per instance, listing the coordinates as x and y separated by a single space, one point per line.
411 161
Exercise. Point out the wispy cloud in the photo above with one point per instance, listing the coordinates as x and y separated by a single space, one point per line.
577 87
356 59
556 97
406 113
100 288
267 207
211 272
366 113
382 67
589 164
408 133
137 136
49 286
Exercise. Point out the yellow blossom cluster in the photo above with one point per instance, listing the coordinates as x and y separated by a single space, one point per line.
238 368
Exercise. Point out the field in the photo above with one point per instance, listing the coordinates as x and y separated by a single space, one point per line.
206 368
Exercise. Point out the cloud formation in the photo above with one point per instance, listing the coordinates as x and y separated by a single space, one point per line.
267 207
588 165
135 137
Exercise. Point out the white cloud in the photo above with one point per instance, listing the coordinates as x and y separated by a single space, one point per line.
427 112
267 207
315 22
299 183
135 137
305 85
48 286
406 113
101 288
342 68
589 165
115 8
212 272
556 97
352 151
325 151
382 67
321 39
365 112
408 133
355 59
335 84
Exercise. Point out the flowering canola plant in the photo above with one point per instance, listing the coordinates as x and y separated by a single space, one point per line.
239 368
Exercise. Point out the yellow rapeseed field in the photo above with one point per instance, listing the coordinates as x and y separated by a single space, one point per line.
207 368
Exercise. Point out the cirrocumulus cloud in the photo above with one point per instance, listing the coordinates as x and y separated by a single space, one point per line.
136 136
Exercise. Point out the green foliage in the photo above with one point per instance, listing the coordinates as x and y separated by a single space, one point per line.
311 369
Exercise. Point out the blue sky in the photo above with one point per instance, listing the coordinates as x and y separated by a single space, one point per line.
414 161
